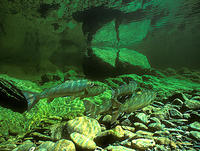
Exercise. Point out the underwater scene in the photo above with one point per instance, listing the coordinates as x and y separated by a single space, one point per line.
99 75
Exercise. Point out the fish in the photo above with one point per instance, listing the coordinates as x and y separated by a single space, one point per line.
92 109
93 91
73 88
137 101
125 89
123 92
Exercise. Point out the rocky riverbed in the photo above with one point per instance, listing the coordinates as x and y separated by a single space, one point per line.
171 122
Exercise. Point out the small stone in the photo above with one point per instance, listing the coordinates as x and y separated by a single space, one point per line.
144 133
132 129
118 148
119 131
192 104
195 134
64 144
168 123
41 136
142 118
155 120
7 147
186 115
178 102
107 119
48 145
161 133
129 134
142 143
162 140
26 145
155 126
140 126
175 113
83 141
126 122
195 126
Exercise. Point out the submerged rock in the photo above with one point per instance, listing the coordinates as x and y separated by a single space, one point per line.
143 143
195 134
195 126
64 144
48 145
84 125
83 141
192 104
118 148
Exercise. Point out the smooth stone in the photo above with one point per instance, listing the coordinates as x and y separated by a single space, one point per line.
195 126
83 141
142 118
192 104
168 123
41 136
119 132
126 122
48 145
164 141
132 129
143 143
195 134
175 113
26 145
64 144
155 126
129 134
186 115
178 102
84 125
118 148
162 133
144 133
140 126
154 120
107 119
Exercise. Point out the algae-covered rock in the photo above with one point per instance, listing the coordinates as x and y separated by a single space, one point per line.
83 141
192 104
143 143
195 126
118 148
64 144
48 145
84 125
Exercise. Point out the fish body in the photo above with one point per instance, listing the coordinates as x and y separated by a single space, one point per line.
134 103
124 90
68 88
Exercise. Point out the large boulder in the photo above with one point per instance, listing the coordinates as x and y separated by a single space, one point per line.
105 61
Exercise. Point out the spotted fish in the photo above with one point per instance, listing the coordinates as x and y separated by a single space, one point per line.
137 101
68 88
125 89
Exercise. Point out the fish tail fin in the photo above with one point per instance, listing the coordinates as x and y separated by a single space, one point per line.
32 98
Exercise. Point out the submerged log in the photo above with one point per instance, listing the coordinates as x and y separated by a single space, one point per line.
11 97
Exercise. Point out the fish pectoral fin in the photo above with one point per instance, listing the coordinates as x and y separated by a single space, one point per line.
50 100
